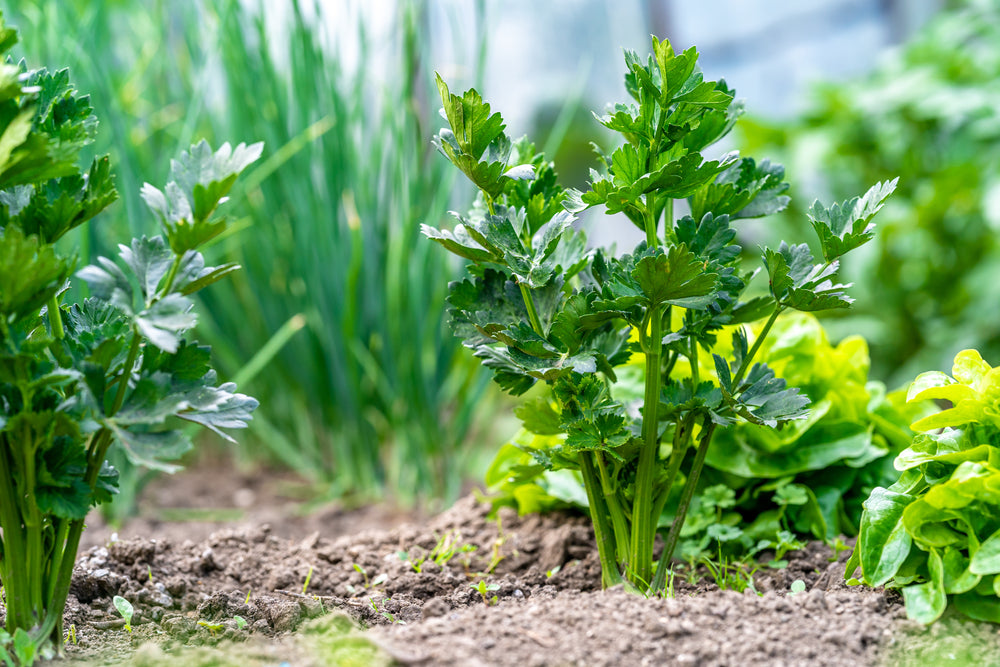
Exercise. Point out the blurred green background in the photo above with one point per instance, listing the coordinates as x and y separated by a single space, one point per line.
337 321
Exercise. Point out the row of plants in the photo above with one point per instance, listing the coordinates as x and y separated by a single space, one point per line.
335 321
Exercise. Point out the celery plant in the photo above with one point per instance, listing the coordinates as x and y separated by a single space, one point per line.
539 306
117 367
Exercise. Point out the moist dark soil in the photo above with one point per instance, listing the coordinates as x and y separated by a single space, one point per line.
403 594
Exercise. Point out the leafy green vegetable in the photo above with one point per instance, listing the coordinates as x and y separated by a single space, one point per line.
117 368
935 532
537 307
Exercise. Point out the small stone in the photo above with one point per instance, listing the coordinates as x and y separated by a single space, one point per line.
311 607
554 548
206 563
283 615
435 607
181 627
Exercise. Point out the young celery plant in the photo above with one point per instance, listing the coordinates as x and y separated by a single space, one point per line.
113 369
538 306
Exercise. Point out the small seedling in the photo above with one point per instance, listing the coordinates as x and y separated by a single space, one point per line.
71 635
838 548
124 608
447 547
483 589
730 574
377 581
385 614
798 586
670 583
247 601
553 572
498 543
309 575
214 628
240 622
149 572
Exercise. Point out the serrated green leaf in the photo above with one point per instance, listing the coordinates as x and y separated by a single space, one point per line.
845 226
796 282
676 277
766 399
149 260
193 275
744 190
30 275
154 450
59 205
164 321
458 242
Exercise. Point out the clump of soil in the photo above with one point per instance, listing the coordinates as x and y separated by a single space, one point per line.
411 589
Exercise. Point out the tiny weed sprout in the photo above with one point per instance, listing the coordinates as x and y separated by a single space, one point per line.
538 306
384 613
71 635
309 574
119 368
484 589
838 548
798 586
213 628
124 608
377 581
240 622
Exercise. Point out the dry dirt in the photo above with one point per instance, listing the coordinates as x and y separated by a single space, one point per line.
240 590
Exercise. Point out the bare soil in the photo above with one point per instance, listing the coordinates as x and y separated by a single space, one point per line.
369 587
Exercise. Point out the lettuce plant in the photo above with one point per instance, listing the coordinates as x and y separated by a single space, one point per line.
539 306
935 532
117 368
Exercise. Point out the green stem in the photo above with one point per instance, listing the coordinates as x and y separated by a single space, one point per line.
133 353
14 558
58 553
32 520
682 435
172 275
50 626
529 304
618 521
643 521
756 346
610 575
695 370
687 494
55 318
668 219
652 238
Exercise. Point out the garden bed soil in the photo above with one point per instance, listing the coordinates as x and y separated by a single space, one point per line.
238 593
